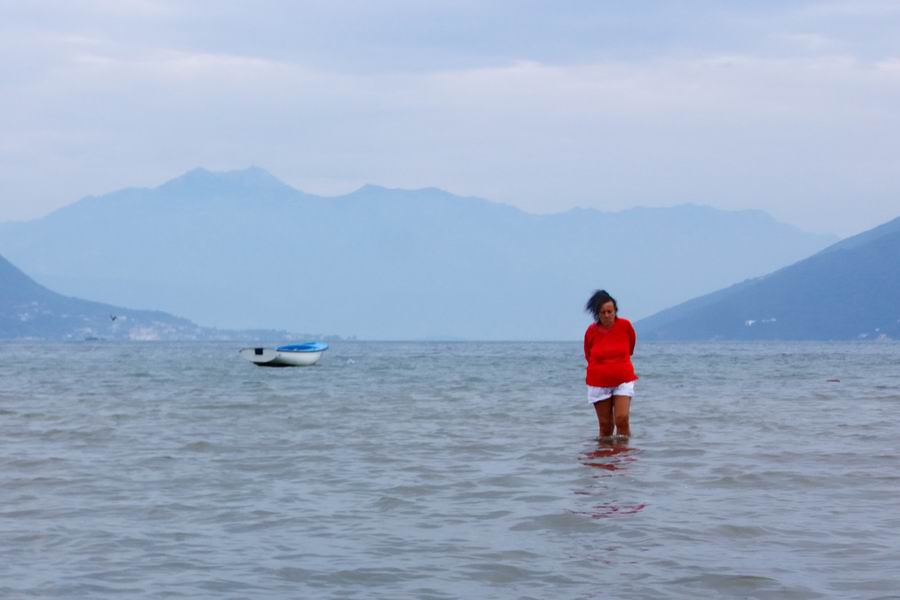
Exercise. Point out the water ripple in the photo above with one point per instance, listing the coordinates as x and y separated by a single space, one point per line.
447 470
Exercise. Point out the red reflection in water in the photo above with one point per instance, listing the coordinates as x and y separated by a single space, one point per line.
609 510
610 456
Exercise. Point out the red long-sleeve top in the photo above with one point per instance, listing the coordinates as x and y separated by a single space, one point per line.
608 353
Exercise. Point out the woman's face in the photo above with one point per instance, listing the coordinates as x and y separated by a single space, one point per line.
607 314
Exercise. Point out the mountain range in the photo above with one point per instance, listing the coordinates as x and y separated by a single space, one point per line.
242 249
30 311
850 290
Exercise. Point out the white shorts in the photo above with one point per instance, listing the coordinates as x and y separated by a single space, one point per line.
597 394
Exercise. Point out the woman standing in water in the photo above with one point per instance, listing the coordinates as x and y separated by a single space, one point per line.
608 346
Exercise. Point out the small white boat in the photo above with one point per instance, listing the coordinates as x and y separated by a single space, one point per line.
292 355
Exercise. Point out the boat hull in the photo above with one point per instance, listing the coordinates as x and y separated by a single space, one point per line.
269 357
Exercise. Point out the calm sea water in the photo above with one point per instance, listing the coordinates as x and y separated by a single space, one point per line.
448 470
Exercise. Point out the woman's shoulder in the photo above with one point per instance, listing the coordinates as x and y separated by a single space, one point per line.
625 322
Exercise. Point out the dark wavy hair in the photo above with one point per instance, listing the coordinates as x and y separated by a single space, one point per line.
598 299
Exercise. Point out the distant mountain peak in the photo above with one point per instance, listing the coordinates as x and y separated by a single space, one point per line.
370 190
200 179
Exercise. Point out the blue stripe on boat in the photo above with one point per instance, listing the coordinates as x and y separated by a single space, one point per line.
308 347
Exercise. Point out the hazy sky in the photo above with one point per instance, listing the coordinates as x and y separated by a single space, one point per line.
787 106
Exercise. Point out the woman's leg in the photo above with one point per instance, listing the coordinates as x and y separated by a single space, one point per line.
621 407
604 410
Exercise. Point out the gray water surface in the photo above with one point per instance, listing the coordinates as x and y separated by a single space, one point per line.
448 470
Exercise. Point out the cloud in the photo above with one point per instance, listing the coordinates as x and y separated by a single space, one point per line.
779 106
812 42
857 8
